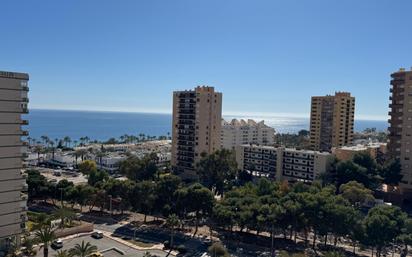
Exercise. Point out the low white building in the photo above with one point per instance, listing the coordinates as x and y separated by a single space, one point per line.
110 163
60 158
282 163
240 132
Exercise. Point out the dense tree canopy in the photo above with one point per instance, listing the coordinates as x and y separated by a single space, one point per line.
216 170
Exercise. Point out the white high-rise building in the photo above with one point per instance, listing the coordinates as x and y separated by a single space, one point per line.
13 103
241 132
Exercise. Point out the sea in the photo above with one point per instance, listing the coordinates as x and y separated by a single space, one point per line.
101 126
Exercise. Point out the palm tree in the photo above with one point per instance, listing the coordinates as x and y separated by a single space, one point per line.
28 248
45 235
38 149
62 253
67 140
53 149
172 222
45 139
65 215
100 154
83 249
13 249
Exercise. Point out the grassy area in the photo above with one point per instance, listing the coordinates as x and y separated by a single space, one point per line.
141 244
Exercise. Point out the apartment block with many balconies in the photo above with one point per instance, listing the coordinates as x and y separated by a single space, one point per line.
281 163
241 132
331 121
197 116
13 103
400 125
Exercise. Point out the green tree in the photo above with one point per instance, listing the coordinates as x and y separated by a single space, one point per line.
356 193
217 169
347 171
200 200
172 222
139 169
406 234
382 225
87 167
391 172
65 215
144 197
62 253
166 187
83 249
45 235
218 250
96 176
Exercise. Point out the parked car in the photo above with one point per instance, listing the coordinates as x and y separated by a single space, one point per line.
97 235
57 244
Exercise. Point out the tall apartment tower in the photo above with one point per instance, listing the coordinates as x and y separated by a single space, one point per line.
400 124
13 103
197 116
331 121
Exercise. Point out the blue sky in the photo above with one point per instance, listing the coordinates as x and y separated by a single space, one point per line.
265 56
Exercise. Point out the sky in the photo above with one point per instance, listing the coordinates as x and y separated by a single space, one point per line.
266 56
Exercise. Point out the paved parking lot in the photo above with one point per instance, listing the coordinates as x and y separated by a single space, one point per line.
49 174
103 244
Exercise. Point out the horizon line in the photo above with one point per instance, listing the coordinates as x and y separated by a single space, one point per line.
227 114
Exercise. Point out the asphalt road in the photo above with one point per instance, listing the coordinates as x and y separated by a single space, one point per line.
103 244
195 247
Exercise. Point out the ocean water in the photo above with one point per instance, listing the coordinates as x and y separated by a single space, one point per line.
104 125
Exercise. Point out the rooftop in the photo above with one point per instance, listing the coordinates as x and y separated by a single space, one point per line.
14 75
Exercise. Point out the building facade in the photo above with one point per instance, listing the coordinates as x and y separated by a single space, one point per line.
197 116
241 132
13 103
375 150
400 124
331 121
281 163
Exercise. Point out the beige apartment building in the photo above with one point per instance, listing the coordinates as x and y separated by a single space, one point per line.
240 132
345 153
13 103
197 116
280 163
331 121
400 125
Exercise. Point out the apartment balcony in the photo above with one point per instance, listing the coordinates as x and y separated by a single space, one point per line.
24 133
186 112
25 99
186 122
186 106
25 88
24 122
186 117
